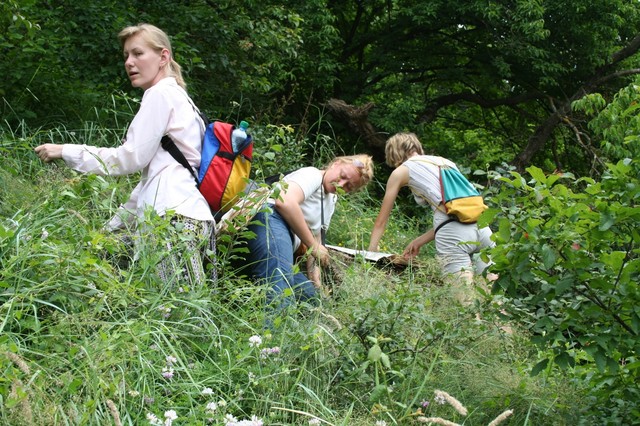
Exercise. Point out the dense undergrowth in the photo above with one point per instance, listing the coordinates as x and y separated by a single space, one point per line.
87 338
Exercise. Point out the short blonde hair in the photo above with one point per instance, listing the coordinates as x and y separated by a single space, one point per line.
157 40
362 162
400 147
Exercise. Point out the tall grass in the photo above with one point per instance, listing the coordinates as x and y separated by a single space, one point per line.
88 339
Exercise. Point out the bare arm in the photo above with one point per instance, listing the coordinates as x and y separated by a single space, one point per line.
413 248
313 268
399 178
289 208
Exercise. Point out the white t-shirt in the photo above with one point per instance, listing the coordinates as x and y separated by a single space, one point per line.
310 181
165 184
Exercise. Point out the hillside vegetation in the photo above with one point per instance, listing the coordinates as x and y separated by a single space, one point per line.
90 336
536 101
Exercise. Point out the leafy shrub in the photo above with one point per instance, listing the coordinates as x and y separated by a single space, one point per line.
567 256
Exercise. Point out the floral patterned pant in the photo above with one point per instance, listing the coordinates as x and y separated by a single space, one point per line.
190 253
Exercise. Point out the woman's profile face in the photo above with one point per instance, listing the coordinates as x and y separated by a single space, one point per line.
342 175
144 65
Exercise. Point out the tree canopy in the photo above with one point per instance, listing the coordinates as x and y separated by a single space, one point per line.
484 82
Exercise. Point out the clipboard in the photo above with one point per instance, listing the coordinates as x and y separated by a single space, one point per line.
395 260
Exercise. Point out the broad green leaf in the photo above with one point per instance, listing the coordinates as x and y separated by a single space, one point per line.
378 392
384 358
374 353
563 285
537 174
539 367
552 178
548 256
614 259
564 360
488 216
601 360
606 221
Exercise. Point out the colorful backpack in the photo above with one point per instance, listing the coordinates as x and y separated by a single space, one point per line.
462 201
223 173
460 198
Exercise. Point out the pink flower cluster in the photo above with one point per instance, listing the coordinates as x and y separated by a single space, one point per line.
266 352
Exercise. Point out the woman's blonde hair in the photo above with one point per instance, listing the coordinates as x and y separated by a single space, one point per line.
363 164
400 147
157 40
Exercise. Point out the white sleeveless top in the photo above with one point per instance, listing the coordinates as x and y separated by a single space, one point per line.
424 178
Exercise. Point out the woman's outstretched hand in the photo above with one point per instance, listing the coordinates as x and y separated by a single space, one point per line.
49 152
411 250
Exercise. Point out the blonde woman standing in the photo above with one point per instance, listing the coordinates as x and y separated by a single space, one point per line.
165 186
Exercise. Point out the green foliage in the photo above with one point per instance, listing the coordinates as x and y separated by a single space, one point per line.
567 257
615 124
88 333
497 69
277 151
63 58
82 323
408 333
481 90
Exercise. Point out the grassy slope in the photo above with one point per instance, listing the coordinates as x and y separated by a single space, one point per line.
85 341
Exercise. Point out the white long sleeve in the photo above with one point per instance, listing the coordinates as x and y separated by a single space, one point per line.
164 184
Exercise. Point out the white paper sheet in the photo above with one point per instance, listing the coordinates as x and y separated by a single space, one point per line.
373 256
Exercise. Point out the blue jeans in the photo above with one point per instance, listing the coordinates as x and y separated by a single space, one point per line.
271 258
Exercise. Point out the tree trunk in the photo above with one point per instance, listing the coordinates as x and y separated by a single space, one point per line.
357 118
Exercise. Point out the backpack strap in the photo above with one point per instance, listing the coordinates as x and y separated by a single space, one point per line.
451 219
444 202
323 232
169 145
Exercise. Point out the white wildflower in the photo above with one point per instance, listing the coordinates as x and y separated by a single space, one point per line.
229 419
170 416
255 341
167 373
440 399
153 420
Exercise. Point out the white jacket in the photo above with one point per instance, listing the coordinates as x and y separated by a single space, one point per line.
165 184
